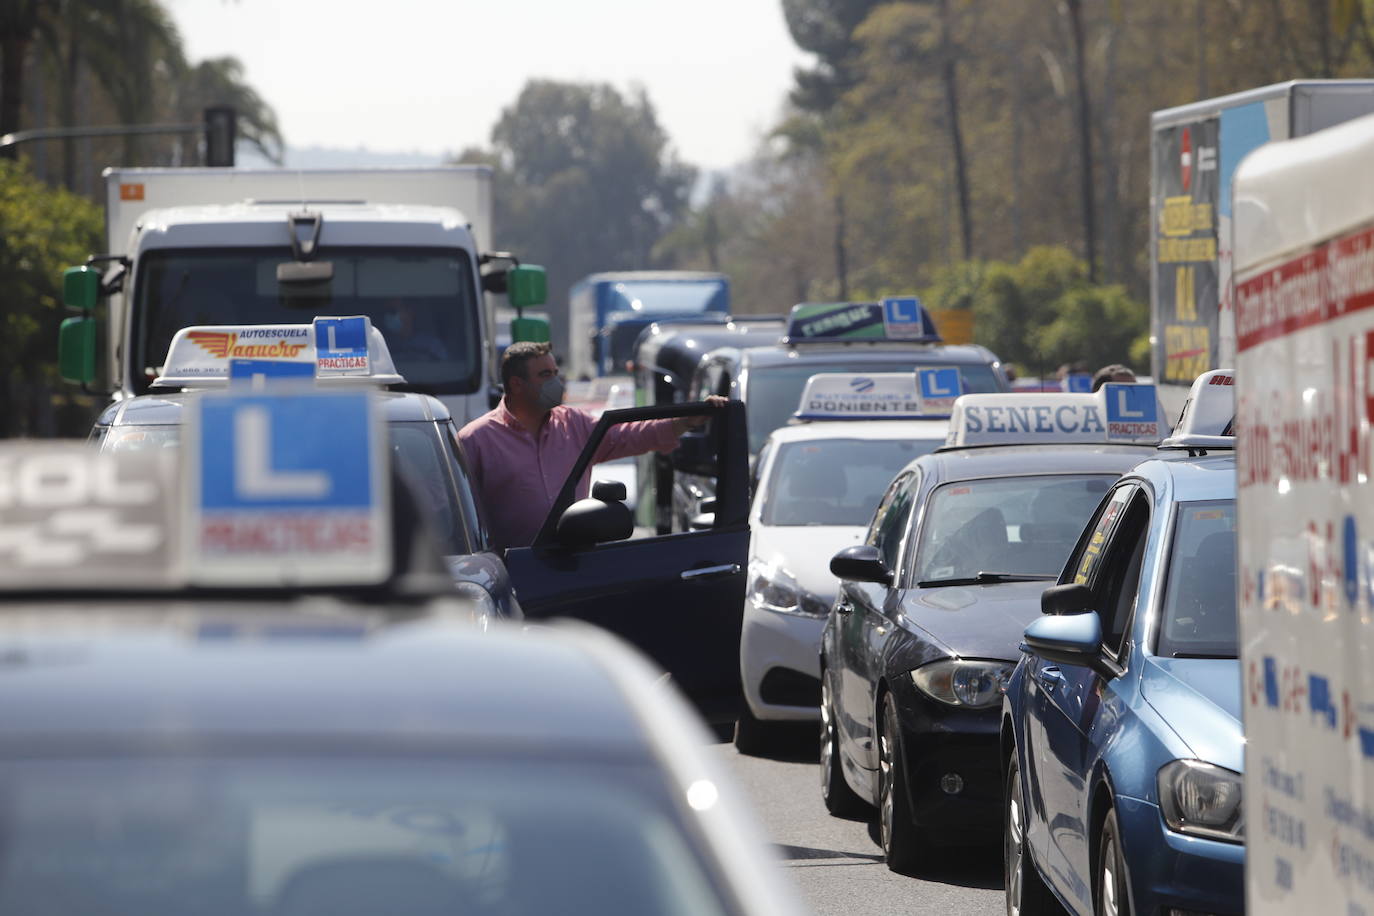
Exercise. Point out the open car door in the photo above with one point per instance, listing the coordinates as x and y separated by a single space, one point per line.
678 597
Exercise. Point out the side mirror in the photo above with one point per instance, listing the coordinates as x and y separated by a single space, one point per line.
534 330
609 491
861 563
80 288
706 515
76 349
1073 598
1073 639
695 455
588 522
526 285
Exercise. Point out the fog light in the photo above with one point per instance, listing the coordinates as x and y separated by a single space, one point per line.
951 783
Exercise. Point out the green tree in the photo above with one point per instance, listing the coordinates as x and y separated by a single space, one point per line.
42 231
826 29
587 181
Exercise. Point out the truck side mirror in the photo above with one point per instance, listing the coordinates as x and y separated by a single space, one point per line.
534 330
80 288
526 286
76 349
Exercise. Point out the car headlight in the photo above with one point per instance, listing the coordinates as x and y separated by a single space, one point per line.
478 601
1201 799
956 682
774 589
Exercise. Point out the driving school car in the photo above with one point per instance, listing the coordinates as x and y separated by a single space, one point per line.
817 484
422 435
202 726
582 563
1122 746
932 605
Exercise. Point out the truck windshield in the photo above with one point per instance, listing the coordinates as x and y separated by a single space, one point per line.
1199 619
423 300
775 391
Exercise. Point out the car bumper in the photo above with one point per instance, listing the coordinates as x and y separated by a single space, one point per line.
1171 871
953 767
780 663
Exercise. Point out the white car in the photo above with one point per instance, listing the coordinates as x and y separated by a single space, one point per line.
817 487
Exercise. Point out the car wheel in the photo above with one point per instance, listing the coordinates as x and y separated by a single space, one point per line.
753 736
901 844
1026 891
840 800
1113 897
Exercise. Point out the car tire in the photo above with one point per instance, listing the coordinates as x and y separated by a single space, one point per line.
1111 894
754 736
1025 889
903 846
840 800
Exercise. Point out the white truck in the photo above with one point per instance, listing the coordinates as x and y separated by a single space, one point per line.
1304 319
238 246
1194 152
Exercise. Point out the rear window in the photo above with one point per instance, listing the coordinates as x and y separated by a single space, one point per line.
133 836
836 481
419 454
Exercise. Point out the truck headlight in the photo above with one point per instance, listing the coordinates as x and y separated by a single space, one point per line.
774 589
956 682
1201 799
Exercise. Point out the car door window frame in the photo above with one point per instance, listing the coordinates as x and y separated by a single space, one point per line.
906 483
1115 559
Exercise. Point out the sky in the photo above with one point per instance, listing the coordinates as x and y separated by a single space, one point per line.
432 76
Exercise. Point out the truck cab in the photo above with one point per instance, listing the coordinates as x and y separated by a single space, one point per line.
225 246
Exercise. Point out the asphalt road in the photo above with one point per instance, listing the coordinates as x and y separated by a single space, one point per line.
838 865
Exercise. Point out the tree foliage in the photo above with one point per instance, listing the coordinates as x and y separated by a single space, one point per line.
585 181
73 63
42 231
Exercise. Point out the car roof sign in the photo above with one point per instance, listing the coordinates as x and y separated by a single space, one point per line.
898 319
74 518
334 349
286 489
1116 413
937 388
1209 414
866 396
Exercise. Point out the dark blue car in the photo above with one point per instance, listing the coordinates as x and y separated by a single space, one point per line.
1121 735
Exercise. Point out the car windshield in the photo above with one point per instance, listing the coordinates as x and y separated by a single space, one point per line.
418 453
130 836
1016 525
835 481
1199 618
422 300
775 391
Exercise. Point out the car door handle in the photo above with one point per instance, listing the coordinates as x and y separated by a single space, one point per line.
710 572
1049 678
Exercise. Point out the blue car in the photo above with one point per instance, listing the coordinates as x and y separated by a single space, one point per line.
1121 735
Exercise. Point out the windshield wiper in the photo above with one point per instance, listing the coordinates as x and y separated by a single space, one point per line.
987 578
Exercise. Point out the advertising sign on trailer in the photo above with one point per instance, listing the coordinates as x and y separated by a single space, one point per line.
1304 309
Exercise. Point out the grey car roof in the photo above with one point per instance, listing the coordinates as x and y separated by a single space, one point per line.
1028 460
165 409
321 672
1187 478
821 354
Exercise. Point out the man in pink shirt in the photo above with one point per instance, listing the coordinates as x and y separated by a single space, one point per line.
521 452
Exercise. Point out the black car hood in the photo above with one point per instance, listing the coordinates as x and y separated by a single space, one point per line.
975 621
